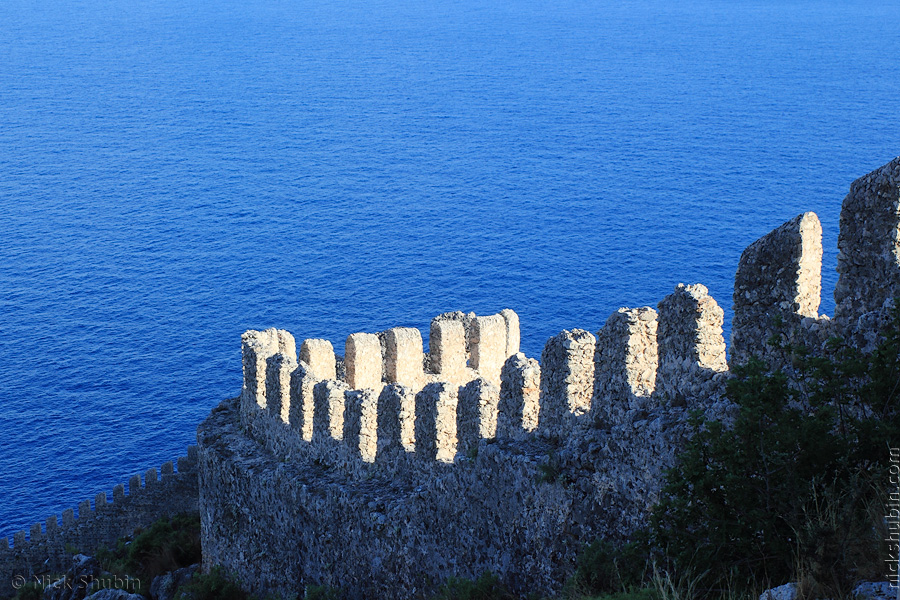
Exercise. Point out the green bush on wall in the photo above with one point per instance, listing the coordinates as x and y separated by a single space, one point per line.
794 490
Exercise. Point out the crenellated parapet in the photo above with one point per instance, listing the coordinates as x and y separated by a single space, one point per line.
392 402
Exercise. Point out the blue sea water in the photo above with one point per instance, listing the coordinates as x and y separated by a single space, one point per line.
175 172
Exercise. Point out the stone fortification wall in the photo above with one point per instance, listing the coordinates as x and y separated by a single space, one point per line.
406 468
387 490
46 547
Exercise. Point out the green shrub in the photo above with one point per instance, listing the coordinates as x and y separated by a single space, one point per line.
487 587
322 592
214 585
604 569
166 545
787 493
30 591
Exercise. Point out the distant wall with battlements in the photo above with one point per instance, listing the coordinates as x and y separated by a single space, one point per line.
46 548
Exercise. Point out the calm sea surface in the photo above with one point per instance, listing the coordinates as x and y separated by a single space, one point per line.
175 172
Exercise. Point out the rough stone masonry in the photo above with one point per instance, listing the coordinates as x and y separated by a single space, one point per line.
475 457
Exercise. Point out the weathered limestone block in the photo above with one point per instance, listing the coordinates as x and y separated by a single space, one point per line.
36 533
361 423
567 377
447 342
476 413
118 497
84 510
436 422
513 336
256 348
4 544
52 526
302 402
134 485
150 478
363 361
279 368
395 422
100 500
488 343
404 357
520 390
691 346
868 254
19 539
328 420
778 283
167 469
625 364
68 518
319 358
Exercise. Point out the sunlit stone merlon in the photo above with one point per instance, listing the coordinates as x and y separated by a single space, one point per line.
488 343
513 336
361 423
302 401
403 357
447 343
279 369
690 330
567 374
435 423
395 417
625 363
520 390
319 356
328 420
777 284
476 415
256 348
363 361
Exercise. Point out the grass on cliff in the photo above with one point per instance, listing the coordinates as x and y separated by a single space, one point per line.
794 490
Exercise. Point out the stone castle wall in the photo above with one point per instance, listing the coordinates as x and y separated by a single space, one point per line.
47 547
404 468
386 471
